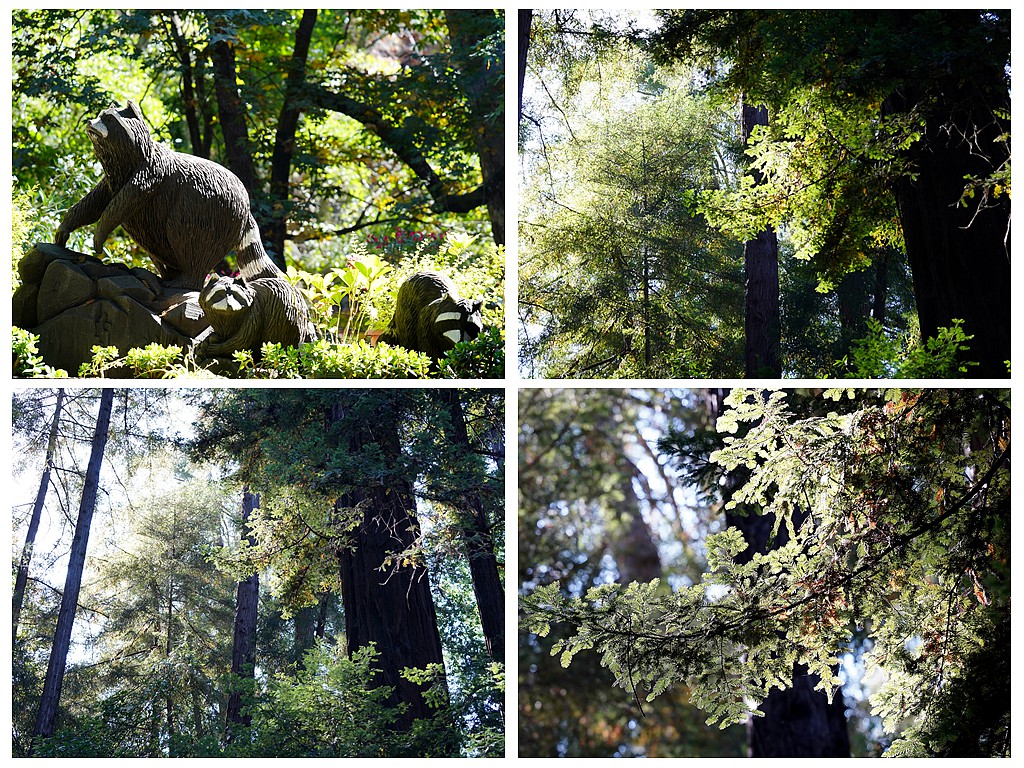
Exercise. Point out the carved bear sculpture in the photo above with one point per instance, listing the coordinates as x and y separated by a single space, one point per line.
246 313
186 212
431 317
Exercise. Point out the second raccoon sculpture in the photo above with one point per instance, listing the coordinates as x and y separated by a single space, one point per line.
431 316
186 212
245 314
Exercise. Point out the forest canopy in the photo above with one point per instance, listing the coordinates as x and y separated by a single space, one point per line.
835 202
830 567
259 573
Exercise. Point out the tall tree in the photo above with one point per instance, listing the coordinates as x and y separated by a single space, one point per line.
386 605
337 497
762 321
478 534
73 583
21 580
243 651
284 136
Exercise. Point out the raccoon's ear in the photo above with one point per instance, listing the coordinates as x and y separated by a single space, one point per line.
134 109
478 304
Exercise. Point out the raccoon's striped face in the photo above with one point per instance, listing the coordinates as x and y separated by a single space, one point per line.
226 295
459 320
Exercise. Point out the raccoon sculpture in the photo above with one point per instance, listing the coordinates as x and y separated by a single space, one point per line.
244 314
431 317
186 212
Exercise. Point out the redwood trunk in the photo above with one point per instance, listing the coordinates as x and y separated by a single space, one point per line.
762 324
243 652
477 534
73 583
387 605
799 721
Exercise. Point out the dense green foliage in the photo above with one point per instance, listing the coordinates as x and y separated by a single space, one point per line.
896 506
593 510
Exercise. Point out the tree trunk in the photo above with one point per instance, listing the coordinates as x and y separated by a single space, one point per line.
386 605
284 138
21 581
200 147
73 583
762 324
229 106
467 30
959 254
799 721
525 23
232 123
476 533
959 261
852 296
243 652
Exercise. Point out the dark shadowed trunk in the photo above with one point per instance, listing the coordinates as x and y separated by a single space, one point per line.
762 323
386 604
959 254
852 295
56 667
233 127
479 540
21 581
191 102
799 721
468 30
243 651
284 138
230 108
525 23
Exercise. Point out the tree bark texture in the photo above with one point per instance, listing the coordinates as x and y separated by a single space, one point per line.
21 580
479 541
958 255
799 721
284 138
73 583
467 30
190 101
385 604
232 124
762 323
243 651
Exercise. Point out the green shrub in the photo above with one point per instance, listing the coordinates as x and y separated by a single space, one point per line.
943 356
27 362
481 358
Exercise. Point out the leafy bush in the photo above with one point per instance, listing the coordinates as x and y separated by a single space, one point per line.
481 358
27 362
878 355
